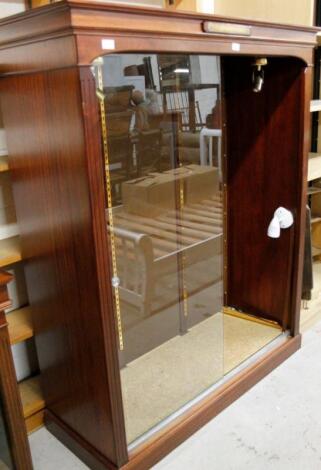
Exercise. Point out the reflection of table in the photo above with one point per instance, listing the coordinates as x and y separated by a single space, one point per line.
149 249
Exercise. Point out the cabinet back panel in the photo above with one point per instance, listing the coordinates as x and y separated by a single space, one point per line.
264 158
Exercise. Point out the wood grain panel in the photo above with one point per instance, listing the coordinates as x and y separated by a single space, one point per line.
52 198
37 22
89 47
44 55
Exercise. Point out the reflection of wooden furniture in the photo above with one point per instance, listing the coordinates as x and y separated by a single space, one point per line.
20 324
148 249
118 118
10 396
313 230
148 151
49 103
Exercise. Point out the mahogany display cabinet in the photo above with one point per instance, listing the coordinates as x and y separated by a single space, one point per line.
150 151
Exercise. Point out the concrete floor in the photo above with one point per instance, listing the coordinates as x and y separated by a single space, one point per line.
276 425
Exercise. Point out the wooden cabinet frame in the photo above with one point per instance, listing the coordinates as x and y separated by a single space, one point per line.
45 57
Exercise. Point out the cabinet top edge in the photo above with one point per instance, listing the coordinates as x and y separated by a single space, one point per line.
148 10
76 17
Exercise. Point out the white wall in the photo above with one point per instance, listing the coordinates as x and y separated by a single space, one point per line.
298 12
151 3
11 7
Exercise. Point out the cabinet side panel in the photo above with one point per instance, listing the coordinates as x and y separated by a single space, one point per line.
265 161
43 119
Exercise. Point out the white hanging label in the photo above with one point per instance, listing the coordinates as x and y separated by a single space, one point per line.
236 46
108 44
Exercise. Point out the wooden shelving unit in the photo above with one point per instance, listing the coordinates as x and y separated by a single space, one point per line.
316 219
20 322
316 251
20 329
4 163
20 325
314 166
314 190
32 402
10 251
314 162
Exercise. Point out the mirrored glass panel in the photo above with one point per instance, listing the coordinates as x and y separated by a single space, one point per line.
161 130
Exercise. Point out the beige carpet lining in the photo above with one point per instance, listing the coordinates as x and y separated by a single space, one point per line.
161 381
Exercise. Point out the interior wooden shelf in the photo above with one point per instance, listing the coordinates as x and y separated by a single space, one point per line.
315 219
33 403
10 251
316 251
4 163
314 190
20 325
314 166
315 105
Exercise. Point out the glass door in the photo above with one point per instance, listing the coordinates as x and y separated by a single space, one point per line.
161 131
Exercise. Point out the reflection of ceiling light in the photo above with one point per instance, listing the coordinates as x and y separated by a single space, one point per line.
181 71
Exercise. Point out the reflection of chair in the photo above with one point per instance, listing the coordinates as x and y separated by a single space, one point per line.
135 269
183 102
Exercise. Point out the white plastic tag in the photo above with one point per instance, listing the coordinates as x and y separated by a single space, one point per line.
108 44
236 46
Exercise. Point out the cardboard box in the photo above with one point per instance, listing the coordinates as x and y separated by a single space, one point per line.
203 184
149 196
200 181
156 193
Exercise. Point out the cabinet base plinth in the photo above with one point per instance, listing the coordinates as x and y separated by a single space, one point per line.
149 453
81 448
